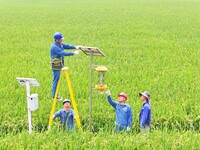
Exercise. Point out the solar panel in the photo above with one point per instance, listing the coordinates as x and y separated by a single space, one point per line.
32 81
94 50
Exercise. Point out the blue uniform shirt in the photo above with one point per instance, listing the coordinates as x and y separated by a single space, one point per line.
57 50
145 115
66 118
123 113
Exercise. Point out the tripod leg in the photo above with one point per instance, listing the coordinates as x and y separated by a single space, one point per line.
54 103
73 99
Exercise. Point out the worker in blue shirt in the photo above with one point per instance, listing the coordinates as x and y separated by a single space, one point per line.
66 116
57 58
123 112
145 112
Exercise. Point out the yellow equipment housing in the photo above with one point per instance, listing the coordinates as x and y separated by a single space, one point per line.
101 69
101 87
102 76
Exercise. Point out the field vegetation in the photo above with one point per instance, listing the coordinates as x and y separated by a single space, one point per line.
149 45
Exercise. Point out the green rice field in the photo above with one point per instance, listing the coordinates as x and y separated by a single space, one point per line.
151 45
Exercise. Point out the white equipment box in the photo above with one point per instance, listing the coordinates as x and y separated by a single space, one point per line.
33 102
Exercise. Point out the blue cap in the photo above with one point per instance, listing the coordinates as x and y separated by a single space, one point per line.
58 36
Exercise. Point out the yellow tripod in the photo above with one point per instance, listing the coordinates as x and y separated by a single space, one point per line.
65 69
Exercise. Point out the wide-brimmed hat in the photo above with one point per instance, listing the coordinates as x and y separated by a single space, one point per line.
145 94
66 100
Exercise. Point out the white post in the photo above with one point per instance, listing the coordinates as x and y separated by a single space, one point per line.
29 111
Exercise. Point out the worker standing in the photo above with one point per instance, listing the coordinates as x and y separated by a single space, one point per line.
66 116
145 112
57 54
123 112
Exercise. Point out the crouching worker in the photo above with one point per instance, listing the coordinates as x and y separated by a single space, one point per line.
123 112
145 112
66 116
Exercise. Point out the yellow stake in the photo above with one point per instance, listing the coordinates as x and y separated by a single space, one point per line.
72 97
54 103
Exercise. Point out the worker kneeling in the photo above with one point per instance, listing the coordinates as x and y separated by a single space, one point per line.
123 112
66 116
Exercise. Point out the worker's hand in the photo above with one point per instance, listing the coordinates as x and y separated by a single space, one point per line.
128 129
76 52
78 47
108 92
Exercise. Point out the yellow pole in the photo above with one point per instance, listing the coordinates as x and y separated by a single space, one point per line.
54 103
72 97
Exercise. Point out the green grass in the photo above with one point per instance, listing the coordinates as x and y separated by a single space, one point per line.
149 45
60 140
